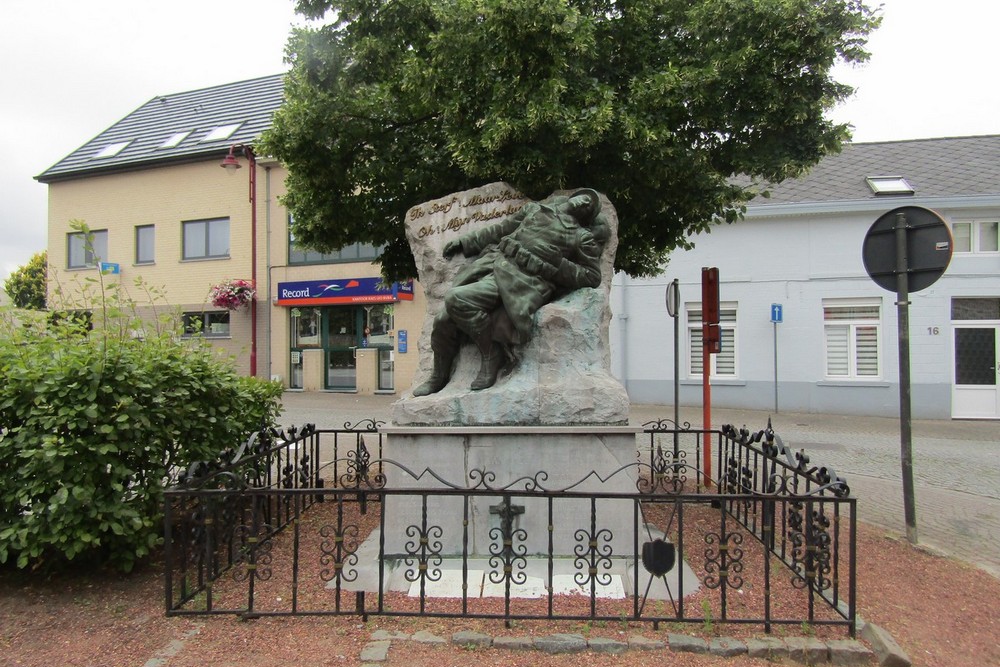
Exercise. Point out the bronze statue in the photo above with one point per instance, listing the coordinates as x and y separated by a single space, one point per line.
544 251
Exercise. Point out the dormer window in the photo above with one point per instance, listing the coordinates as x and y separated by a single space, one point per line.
889 185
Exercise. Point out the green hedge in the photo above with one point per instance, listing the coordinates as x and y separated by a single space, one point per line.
92 422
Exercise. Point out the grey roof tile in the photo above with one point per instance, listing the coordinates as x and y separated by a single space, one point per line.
946 167
250 104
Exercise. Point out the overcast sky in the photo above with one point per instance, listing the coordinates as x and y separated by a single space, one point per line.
72 68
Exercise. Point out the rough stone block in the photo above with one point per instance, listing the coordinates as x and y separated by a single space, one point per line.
475 639
561 643
514 643
807 650
726 647
640 643
376 651
886 649
687 644
769 648
848 652
610 646
424 637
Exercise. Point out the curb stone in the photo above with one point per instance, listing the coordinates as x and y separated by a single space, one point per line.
471 639
807 650
561 643
377 651
686 644
514 643
726 647
609 646
769 648
847 652
886 649
803 650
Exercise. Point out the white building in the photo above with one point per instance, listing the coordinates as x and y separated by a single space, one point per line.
835 349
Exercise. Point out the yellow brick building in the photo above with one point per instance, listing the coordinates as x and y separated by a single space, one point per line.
161 211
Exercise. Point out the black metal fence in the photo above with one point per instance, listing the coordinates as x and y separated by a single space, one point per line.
304 522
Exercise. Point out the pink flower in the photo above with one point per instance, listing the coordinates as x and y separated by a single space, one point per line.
232 294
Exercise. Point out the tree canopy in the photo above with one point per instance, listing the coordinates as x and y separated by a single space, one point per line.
26 284
678 111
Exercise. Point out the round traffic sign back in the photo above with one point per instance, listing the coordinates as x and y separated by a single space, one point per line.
927 250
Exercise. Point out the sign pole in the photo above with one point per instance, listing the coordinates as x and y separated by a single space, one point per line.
905 418
673 309
774 324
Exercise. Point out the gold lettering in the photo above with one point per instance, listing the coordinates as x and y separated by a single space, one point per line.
416 212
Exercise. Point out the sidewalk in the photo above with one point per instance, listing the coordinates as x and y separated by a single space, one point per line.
956 466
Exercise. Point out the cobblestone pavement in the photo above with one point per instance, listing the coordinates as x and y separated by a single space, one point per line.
956 464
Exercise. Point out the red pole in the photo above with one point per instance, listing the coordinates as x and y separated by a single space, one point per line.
253 258
706 401
710 341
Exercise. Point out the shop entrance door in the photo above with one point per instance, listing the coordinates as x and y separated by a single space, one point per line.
341 346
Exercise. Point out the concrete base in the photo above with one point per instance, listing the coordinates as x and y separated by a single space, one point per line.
617 577
510 461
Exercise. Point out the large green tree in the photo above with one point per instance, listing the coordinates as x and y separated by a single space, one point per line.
26 284
675 109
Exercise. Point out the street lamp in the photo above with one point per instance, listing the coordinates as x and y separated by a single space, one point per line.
231 163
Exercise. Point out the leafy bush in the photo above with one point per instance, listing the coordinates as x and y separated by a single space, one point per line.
92 422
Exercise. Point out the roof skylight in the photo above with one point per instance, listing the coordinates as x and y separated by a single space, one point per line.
889 185
175 139
112 150
221 132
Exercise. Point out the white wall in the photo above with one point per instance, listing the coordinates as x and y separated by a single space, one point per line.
796 261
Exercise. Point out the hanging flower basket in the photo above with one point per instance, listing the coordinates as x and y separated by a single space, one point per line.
232 294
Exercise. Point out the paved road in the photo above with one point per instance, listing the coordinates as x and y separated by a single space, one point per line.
956 463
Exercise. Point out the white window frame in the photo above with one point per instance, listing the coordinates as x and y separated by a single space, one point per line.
976 236
854 325
728 323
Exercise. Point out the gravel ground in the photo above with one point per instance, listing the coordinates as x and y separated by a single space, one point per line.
938 609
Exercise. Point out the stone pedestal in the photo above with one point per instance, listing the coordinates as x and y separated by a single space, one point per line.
513 462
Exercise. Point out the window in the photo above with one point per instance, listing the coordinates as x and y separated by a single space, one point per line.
206 239
112 150
221 132
145 244
84 251
976 236
174 140
211 324
356 252
851 331
889 185
723 364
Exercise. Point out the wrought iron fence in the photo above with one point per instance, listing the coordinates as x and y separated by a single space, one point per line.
773 543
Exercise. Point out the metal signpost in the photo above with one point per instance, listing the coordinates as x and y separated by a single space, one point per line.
673 297
711 340
776 318
907 250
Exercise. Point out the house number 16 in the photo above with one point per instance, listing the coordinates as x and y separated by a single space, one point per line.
933 331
